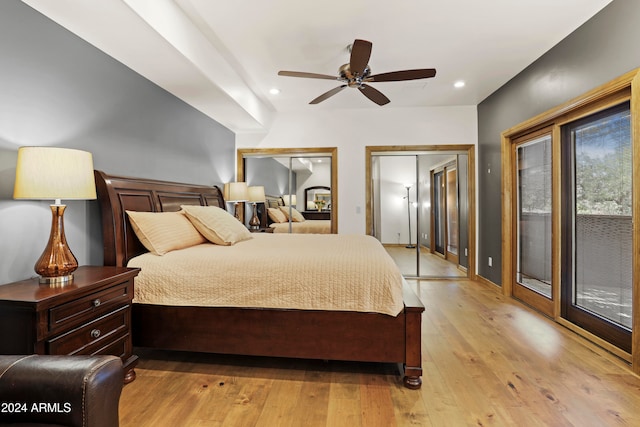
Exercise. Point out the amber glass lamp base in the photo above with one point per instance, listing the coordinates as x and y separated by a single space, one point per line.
254 223
57 263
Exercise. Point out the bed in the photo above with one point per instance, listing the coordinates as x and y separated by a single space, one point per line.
283 225
258 331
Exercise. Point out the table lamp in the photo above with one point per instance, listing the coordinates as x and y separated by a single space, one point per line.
289 200
52 173
256 195
236 192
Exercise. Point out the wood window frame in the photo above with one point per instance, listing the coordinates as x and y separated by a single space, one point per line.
619 90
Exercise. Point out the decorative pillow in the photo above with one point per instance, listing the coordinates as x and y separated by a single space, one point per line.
274 202
162 232
295 215
217 225
276 215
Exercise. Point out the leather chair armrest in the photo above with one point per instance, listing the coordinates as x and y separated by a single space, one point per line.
66 390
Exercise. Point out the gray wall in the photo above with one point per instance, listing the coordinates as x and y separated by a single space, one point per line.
604 48
57 90
271 174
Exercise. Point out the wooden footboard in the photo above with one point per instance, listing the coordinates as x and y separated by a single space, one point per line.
352 336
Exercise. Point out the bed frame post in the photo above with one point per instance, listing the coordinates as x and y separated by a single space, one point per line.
413 339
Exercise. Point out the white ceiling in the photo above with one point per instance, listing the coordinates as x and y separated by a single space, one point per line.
222 57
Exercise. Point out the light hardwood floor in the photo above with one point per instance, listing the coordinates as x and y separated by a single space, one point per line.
431 265
487 359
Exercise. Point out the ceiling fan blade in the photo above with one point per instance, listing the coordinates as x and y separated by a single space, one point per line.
374 94
306 75
327 94
360 54
396 76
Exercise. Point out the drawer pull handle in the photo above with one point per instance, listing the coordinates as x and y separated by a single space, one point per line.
95 333
96 302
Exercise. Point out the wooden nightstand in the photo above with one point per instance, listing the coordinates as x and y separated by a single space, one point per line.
91 315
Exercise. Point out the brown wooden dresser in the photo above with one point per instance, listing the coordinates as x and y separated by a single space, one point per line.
317 215
91 315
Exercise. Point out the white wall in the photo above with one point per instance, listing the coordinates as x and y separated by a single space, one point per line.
395 172
352 130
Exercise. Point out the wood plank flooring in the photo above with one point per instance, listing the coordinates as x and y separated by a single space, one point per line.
431 265
487 360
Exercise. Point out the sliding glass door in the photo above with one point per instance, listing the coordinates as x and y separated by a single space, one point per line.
597 225
533 221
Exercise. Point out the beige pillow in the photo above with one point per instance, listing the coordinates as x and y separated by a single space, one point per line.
295 215
276 215
217 225
162 232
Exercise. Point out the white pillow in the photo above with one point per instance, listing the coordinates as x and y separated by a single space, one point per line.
162 232
295 215
217 225
276 215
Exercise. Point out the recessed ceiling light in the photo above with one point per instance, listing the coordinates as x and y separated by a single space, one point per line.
459 84
274 91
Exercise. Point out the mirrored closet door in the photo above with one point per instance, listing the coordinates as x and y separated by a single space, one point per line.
300 184
419 208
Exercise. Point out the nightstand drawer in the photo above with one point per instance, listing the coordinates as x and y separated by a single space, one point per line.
121 347
66 315
92 336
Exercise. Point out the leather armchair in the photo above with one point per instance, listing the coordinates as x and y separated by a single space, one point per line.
73 391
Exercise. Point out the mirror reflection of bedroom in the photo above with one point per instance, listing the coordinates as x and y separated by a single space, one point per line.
419 210
298 190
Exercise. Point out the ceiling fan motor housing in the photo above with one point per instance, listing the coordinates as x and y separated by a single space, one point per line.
352 80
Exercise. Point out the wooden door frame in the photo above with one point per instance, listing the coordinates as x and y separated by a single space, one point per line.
468 149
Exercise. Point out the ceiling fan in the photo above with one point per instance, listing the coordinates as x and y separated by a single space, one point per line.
357 73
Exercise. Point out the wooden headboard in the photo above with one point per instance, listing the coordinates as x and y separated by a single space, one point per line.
118 194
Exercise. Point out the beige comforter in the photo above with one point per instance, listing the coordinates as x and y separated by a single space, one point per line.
310 226
290 271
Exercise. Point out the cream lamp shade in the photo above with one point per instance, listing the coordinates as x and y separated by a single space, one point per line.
289 199
237 192
52 173
256 194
